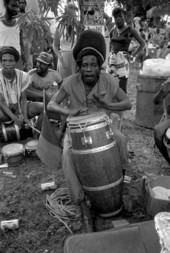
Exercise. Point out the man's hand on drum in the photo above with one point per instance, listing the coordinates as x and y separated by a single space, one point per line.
77 111
99 103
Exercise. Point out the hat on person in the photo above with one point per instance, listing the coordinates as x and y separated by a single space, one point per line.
90 42
10 50
45 58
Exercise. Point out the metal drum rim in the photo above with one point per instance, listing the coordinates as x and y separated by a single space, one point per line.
87 128
88 119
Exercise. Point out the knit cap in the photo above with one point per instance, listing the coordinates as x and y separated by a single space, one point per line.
90 42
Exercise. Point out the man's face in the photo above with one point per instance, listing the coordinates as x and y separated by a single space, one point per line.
42 68
89 69
13 8
22 5
8 63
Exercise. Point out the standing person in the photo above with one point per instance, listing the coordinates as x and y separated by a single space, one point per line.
26 41
10 34
22 6
120 39
137 23
144 52
13 91
89 91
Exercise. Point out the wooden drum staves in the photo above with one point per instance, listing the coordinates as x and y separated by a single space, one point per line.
97 162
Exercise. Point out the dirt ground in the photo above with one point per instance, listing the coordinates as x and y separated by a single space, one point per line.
22 198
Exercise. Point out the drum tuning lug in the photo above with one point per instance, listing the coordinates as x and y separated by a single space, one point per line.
109 134
86 140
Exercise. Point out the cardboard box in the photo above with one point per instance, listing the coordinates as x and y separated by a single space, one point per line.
155 205
137 238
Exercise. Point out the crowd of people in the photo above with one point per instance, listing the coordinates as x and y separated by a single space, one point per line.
88 91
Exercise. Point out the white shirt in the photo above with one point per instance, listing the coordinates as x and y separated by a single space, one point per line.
10 36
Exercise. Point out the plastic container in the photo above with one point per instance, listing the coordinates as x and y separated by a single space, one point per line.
136 238
154 204
147 113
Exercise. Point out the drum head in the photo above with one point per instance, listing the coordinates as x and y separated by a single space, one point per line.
13 149
87 119
168 134
31 145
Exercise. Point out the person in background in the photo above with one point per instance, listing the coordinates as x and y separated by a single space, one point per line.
63 48
162 50
26 43
137 23
10 34
13 92
43 78
144 52
89 91
22 6
108 22
161 127
157 38
120 39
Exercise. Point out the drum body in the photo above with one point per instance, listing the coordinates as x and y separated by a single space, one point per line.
97 162
30 148
9 131
13 154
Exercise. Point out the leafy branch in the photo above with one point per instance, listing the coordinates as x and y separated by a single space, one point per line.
68 25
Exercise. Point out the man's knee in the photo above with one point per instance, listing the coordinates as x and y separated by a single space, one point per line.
120 138
34 109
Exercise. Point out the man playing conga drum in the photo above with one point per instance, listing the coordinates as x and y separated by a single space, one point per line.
89 92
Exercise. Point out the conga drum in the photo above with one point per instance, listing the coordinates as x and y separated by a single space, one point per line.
97 162
13 154
166 141
9 131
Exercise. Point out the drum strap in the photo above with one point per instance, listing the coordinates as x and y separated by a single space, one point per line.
4 132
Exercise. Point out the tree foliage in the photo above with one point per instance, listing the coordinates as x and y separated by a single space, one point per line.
141 6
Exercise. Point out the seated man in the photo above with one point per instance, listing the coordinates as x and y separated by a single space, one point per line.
13 91
89 91
161 127
42 77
